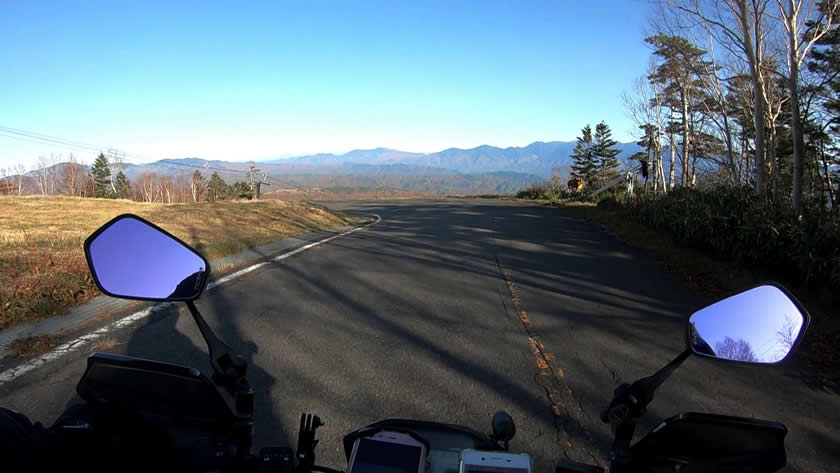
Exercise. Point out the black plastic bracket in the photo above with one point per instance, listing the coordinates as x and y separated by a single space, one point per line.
228 367
309 424
629 403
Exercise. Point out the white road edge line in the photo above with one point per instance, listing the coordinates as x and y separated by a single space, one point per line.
71 346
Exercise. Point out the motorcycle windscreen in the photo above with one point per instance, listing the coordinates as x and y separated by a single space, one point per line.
692 442
150 387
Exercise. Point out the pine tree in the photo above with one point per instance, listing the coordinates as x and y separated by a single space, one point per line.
679 73
605 154
101 174
242 190
122 186
216 187
583 162
825 63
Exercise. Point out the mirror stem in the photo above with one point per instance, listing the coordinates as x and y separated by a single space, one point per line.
630 401
663 374
227 367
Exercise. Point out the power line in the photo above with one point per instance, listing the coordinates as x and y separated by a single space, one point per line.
196 166
41 138
42 141
18 131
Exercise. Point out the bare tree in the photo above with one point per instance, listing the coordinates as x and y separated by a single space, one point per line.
71 176
6 186
41 171
116 162
147 186
53 174
197 185
732 349
20 172
740 26
644 108
716 108
182 189
46 173
804 24
165 189
788 332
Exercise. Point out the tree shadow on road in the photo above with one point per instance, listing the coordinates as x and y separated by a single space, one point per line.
171 336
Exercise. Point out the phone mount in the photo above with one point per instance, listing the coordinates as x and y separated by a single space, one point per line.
305 456
630 402
229 376
229 369
503 428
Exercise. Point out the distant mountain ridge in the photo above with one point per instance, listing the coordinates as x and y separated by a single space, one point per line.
475 170
538 158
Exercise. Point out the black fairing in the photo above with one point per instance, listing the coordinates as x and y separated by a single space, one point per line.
191 424
436 435
151 387
711 443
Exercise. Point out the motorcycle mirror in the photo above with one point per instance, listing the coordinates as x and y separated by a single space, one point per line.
761 325
131 258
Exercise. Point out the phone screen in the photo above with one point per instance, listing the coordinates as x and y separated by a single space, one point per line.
493 469
373 456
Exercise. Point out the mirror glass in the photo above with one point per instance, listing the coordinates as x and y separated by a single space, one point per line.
761 325
133 260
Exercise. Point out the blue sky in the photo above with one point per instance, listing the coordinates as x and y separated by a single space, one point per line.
260 80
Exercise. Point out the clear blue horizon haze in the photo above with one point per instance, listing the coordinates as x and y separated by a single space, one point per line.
223 80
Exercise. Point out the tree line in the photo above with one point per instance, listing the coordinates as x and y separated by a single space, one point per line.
743 93
52 176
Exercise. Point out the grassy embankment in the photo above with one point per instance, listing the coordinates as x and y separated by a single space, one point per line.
42 264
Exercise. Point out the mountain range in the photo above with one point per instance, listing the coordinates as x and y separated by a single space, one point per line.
538 158
476 170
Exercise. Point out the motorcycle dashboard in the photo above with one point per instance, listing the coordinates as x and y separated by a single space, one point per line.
151 387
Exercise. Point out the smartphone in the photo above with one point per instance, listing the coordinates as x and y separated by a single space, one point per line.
477 461
388 452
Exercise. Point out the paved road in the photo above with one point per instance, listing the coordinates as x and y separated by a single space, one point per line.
449 310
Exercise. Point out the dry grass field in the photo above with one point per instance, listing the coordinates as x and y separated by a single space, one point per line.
42 264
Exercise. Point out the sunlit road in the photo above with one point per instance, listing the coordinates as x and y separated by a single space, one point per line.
449 310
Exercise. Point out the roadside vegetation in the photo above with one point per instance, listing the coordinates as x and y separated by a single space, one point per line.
42 265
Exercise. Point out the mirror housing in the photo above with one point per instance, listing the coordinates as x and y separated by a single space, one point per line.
761 326
131 258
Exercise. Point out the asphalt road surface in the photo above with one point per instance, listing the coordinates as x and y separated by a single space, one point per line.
449 310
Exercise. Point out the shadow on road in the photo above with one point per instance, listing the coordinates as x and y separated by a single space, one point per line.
172 337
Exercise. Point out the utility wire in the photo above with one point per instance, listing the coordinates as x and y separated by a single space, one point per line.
35 137
42 141
41 138
196 166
